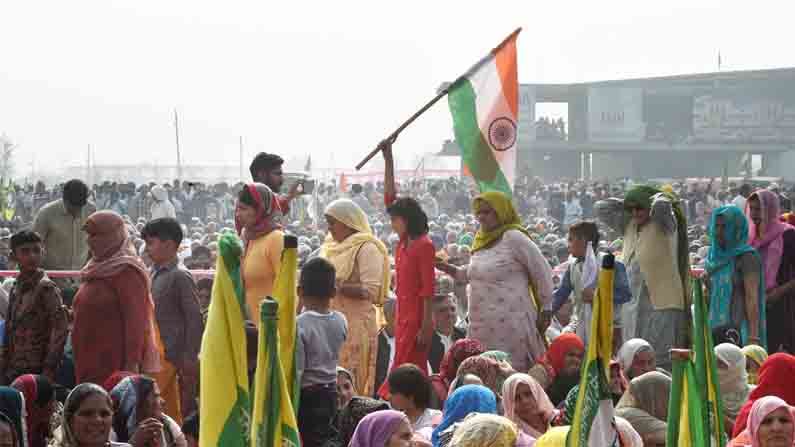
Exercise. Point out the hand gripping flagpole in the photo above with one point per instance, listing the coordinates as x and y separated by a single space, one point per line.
442 93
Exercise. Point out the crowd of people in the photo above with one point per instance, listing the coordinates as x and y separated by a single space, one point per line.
430 313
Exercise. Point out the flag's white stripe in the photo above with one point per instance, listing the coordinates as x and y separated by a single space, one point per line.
490 104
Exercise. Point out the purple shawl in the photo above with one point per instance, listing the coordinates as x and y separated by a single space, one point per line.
376 428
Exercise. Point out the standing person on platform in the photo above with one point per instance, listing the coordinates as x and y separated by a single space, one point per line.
775 242
267 169
60 224
362 265
263 242
415 273
114 321
656 256
36 328
178 317
510 282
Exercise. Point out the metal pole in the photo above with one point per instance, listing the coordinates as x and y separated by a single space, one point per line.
179 155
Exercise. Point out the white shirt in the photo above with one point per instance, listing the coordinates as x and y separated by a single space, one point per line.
739 202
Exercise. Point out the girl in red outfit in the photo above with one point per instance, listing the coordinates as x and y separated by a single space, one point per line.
415 273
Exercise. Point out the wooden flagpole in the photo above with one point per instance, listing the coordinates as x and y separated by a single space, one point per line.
442 93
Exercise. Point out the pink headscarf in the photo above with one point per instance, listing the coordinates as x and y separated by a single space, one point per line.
761 409
543 404
766 238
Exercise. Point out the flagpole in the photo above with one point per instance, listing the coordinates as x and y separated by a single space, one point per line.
442 93
179 156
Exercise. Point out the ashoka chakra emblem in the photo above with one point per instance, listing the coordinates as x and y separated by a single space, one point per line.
502 134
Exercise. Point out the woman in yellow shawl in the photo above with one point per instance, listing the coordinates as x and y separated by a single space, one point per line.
362 264
505 267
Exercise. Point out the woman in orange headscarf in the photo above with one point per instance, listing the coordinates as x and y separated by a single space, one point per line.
559 370
114 326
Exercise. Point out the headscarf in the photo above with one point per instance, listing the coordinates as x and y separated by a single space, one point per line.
460 351
554 437
12 404
648 396
353 413
507 218
376 428
127 397
71 406
720 265
628 351
38 393
760 410
767 238
264 204
111 253
486 430
343 255
555 357
543 404
758 355
486 369
733 380
465 400
115 378
499 356
775 379
640 197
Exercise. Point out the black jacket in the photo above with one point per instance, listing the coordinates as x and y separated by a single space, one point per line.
437 348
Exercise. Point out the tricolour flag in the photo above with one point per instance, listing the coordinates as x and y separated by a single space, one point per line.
225 403
276 388
484 104
695 415
593 422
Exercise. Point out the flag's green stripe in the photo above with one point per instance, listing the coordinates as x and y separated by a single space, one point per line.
230 249
273 416
706 372
290 436
593 389
235 433
475 150
675 404
698 429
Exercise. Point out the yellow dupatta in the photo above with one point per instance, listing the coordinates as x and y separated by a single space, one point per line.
508 219
343 254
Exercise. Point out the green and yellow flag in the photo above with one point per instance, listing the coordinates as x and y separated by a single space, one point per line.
593 421
695 413
276 383
225 403
284 292
274 423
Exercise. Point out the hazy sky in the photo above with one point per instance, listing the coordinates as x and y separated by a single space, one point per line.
323 77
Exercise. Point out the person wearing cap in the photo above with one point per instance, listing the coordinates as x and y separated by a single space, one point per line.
60 224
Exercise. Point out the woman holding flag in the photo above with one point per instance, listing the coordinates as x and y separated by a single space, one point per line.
415 275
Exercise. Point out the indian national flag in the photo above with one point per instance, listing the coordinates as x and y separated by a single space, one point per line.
484 104
695 414
593 421
225 403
